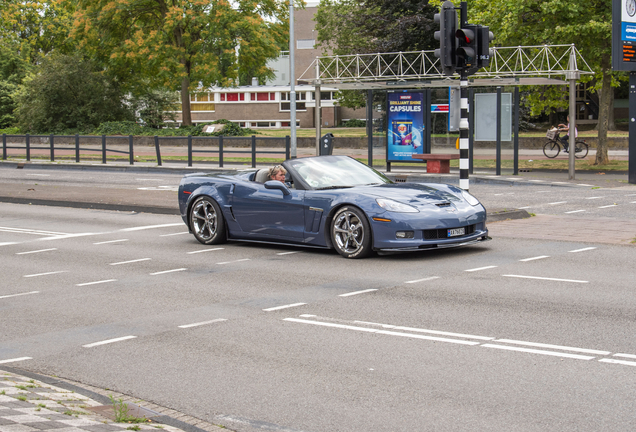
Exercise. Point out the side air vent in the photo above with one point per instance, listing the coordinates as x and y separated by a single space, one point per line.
443 204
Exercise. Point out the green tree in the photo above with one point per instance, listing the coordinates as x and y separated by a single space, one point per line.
586 23
181 44
67 92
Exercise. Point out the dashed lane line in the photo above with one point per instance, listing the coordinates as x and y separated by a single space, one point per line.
559 347
582 250
235 261
35 251
109 341
589 198
45 274
357 292
557 203
174 234
205 250
480 268
111 241
167 271
283 307
422 280
546 278
287 253
18 295
536 351
96 282
534 258
151 227
130 262
16 360
608 206
574 211
202 323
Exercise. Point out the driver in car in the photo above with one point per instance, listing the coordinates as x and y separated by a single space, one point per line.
277 173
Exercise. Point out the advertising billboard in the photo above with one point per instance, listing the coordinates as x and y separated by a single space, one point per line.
405 126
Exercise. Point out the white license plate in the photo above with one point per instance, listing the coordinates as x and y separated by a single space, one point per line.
456 232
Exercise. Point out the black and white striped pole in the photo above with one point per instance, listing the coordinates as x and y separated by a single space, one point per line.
464 160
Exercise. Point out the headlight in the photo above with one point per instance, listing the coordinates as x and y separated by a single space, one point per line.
470 199
394 206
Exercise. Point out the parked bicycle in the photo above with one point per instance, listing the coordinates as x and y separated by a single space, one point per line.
552 148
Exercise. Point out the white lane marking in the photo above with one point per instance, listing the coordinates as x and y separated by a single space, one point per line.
130 262
97 282
168 188
230 262
574 211
546 278
383 332
287 253
147 179
630 195
203 323
45 274
594 197
633 202
582 250
621 362
168 271
35 251
29 231
422 280
152 227
608 206
534 351
7 243
174 234
16 359
21 294
631 356
559 182
534 258
67 236
38 175
205 250
559 347
307 315
558 202
420 330
521 208
584 184
94 344
110 241
283 307
480 268
357 292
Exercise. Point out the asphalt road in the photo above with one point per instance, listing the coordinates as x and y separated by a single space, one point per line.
516 334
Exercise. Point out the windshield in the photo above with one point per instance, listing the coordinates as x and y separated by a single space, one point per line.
327 172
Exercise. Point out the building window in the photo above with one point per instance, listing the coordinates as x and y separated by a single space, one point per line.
263 97
300 96
305 44
202 107
232 97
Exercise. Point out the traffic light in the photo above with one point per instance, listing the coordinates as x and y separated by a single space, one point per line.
484 53
468 37
447 19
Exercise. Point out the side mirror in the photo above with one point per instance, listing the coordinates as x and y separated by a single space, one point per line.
275 184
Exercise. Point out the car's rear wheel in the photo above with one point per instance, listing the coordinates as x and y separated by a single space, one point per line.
351 233
207 222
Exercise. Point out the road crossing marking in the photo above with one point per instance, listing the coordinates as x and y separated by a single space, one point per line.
109 341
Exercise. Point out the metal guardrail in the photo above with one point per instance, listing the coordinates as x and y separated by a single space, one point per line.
78 149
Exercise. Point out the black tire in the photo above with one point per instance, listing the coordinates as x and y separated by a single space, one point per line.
582 150
351 233
207 222
551 149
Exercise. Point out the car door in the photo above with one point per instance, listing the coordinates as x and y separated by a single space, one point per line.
268 213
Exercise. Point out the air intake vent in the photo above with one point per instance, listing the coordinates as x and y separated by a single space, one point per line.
436 234
400 179
443 204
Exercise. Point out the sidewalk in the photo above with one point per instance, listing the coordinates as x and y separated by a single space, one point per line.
36 403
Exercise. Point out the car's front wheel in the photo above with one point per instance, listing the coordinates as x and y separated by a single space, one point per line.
207 222
351 233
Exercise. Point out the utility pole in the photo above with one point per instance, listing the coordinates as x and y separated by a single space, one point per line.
292 81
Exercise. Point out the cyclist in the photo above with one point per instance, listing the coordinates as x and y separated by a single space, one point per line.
565 140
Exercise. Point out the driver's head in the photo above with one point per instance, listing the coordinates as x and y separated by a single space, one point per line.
277 173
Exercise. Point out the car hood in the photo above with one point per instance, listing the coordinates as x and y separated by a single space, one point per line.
415 194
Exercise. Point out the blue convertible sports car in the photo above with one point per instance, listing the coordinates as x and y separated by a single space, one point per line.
330 202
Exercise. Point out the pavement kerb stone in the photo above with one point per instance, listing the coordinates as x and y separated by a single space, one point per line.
86 397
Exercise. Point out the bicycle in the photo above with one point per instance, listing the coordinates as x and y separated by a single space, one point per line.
552 148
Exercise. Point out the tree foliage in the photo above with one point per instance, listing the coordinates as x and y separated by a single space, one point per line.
585 23
181 44
68 93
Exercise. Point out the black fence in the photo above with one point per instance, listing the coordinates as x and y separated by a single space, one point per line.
212 145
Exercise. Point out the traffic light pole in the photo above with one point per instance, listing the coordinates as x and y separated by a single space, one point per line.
464 160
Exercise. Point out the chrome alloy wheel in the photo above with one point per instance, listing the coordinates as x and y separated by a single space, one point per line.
204 220
348 232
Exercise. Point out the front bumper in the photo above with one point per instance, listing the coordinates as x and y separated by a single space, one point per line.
436 245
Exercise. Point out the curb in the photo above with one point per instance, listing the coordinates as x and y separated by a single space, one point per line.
93 206
105 400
